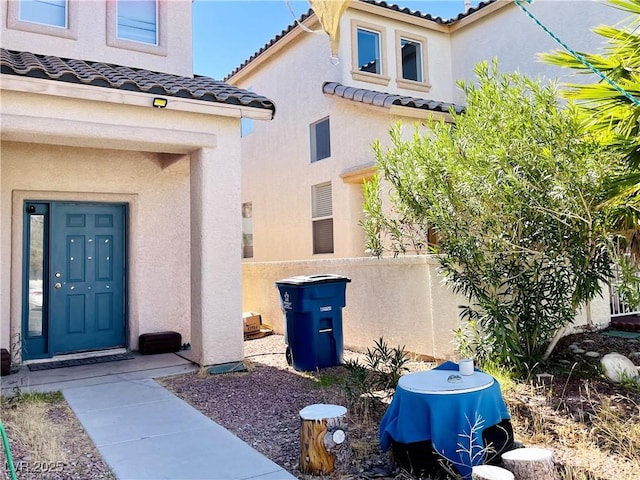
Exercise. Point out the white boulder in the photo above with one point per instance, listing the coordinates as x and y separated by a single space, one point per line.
617 368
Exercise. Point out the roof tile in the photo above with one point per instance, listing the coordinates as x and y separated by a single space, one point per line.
127 78
390 6
381 99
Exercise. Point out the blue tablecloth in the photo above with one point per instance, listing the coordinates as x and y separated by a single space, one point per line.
453 422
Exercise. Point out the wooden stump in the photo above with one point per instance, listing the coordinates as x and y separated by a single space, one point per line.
323 438
489 472
530 463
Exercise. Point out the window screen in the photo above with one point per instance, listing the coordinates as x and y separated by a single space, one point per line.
322 211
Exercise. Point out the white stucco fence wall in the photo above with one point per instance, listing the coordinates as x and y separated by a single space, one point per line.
400 299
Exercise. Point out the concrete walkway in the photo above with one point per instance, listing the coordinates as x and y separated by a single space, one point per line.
142 430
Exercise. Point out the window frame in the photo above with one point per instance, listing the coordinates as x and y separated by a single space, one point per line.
424 85
381 78
321 217
70 31
247 229
313 140
161 31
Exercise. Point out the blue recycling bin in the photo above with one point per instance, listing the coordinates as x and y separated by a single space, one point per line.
312 306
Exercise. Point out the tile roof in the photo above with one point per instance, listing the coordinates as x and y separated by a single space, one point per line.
127 78
381 99
426 16
390 6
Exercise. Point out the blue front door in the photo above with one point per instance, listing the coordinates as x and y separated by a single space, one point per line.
84 280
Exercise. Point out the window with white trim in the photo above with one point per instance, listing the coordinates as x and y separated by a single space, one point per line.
57 18
322 218
411 61
368 53
320 139
137 21
411 57
369 58
52 13
138 25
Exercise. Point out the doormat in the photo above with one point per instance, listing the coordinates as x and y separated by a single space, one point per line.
621 334
35 367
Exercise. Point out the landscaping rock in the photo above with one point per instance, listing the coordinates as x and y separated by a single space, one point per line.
592 354
578 351
617 368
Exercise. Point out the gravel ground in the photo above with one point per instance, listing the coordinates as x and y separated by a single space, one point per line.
262 407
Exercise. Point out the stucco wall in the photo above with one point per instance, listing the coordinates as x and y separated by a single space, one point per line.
515 39
402 300
277 172
89 42
159 241
438 53
109 152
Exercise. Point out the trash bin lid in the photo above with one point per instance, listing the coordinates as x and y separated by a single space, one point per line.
313 279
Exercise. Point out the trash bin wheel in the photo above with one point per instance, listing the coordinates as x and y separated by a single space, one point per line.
288 356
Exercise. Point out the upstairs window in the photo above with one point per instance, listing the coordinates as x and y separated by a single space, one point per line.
138 21
52 13
411 53
320 137
411 65
369 52
322 218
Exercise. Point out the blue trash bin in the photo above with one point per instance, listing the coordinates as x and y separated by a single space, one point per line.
312 306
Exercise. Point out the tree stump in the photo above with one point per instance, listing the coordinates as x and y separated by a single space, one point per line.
323 438
530 463
489 472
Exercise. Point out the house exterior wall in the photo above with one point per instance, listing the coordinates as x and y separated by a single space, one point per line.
438 45
101 152
401 299
157 200
511 36
86 37
404 300
276 155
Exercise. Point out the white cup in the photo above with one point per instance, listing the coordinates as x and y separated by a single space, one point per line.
465 366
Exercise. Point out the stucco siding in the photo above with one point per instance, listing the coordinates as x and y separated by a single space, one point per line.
158 201
277 172
515 39
404 300
438 54
89 40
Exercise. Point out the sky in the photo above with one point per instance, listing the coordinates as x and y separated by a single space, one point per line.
228 32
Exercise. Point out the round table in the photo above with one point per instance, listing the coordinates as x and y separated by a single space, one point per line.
447 409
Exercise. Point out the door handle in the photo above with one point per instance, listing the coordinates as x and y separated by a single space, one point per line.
57 285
